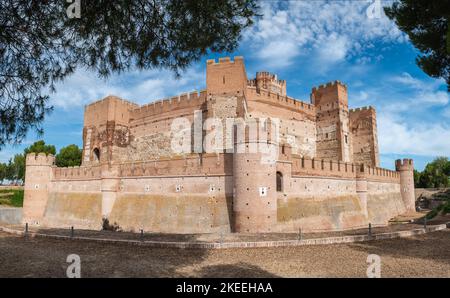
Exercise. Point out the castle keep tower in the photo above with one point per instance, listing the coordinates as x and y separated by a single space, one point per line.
406 169
332 121
363 125
38 174
106 125
226 77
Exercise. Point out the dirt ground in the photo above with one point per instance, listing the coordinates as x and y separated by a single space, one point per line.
420 256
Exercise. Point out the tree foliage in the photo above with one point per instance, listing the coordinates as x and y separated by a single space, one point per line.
69 156
426 24
435 175
40 147
40 45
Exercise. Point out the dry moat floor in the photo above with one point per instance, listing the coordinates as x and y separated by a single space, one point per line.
426 255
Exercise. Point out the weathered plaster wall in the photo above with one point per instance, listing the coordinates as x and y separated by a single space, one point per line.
320 204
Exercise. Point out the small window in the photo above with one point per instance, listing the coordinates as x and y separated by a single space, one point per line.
223 79
282 149
346 139
96 152
279 182
326 136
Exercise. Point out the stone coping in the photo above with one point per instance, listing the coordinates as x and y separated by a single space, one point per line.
243 244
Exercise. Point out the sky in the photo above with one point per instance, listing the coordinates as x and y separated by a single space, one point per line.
306 43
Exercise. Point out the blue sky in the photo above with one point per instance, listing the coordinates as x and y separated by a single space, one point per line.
307 43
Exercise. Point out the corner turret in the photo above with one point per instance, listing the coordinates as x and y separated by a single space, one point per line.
406 169
38 174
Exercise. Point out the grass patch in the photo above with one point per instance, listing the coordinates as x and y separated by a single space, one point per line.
15 199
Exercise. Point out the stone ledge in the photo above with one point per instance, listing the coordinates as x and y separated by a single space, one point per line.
225 245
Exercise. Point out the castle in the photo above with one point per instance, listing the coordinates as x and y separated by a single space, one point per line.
325 175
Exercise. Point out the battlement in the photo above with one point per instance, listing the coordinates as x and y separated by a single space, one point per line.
77 172
404 165
269 76
39 159
192 165
225 60
108 98
377 173
302 166
266 96
192 99
329 85
361 109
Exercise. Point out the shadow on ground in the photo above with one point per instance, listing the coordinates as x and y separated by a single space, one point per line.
434 246
239 270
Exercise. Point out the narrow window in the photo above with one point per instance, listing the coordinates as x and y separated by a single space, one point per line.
279 181
96 152
346 139
282 149
224 79
326 136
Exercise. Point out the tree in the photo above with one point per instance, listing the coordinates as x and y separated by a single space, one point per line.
3 169
40 147
40 45
426 24
434 175
69 156
18 167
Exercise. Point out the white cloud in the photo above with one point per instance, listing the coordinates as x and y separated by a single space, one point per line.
423 93
84 87
330 31
398 137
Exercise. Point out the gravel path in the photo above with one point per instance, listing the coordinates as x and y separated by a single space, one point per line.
229 237
420 256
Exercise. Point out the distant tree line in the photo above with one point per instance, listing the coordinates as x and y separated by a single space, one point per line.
435 175
14 170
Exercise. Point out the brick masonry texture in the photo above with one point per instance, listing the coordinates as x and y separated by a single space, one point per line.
325 178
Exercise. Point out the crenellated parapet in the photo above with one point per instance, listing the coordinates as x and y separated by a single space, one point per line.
404 165
225 61
77 173
302 166
193 100
329 85
40 159
361 109
277 99
193 165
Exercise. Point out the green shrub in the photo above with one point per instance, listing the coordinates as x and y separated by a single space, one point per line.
14 200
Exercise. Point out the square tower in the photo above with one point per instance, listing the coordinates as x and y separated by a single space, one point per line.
332 122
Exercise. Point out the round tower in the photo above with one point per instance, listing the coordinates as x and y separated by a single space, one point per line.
38 175
406 169
254 185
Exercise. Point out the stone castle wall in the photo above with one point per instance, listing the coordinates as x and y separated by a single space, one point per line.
195 194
